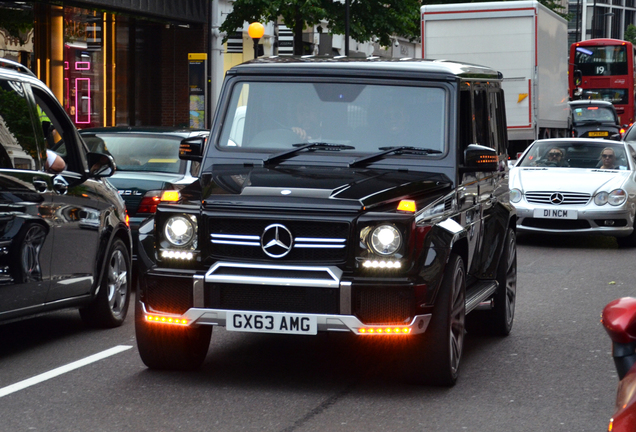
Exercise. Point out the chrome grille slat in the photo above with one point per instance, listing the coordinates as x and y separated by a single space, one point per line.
569 198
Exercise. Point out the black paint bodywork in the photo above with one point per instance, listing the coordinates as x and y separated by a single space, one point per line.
236 188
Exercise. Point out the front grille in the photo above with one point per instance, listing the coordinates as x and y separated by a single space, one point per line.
556 224
313 240
569 198
383 305
168 294
268 298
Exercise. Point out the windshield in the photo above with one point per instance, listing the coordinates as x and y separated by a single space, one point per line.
281 115
138 153
601 60
576 154
613 95
593 114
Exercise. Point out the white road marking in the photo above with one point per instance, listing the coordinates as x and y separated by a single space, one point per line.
62 370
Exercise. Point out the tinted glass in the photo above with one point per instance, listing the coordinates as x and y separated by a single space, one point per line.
18 145
593 114
601 60
279 115
138 153
615 96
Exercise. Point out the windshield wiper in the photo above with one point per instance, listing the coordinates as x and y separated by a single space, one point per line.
300 147
395 150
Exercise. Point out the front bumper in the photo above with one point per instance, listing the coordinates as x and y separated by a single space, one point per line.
320 292
611 221
327 323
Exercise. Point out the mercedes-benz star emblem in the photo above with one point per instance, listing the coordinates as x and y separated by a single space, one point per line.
556 198
276 241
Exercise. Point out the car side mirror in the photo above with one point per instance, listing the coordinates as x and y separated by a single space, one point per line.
192 148
616 137
578 77
479 158
100 165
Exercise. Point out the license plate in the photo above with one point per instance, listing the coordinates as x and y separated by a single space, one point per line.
597 134
555 214
271 322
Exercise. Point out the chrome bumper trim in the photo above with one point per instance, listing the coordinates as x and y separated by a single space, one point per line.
335 323
331 275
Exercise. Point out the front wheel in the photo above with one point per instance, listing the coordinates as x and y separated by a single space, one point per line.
110 307
438 351
170 347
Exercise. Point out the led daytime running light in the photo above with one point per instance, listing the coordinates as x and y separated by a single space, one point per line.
384 330
166 320
382 264
173 254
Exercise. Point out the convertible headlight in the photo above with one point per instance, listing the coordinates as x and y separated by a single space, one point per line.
601 198
617 197
180 230
515 195
385 240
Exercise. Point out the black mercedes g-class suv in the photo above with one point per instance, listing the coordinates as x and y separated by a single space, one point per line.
349 195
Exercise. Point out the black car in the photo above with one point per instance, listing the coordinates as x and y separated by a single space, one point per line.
595 119
360 196
148 164
64 241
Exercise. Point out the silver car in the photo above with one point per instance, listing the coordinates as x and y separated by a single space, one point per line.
576 185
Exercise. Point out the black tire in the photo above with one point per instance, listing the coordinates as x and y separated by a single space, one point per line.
438 351
170 347
503 313
110 306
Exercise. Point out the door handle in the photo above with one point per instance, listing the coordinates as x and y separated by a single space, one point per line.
40 185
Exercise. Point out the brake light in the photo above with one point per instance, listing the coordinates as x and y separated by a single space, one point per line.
149 202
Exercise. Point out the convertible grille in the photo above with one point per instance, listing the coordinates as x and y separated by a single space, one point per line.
569 198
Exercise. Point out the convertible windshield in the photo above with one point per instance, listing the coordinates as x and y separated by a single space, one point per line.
279 115
576 154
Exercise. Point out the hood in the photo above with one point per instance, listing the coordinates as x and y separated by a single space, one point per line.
346 189
566 179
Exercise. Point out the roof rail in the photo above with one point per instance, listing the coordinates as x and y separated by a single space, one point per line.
16 66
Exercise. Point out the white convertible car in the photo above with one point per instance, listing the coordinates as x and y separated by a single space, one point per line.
576 185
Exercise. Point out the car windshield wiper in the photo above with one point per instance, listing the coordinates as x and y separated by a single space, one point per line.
395 150
302 146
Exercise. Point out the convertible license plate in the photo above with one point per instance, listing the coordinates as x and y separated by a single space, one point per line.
598 134
555 214
271 322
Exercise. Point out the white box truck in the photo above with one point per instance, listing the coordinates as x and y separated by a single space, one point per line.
523 40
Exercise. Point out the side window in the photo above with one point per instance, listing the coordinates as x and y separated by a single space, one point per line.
58 133
18 143
482 123
465 117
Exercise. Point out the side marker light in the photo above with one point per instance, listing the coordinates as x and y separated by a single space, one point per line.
407 205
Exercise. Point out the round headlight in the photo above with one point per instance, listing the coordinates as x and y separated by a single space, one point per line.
617 197
515 195
179 230
601 198
385 240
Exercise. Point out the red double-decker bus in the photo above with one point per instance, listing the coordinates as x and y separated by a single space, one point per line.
604 69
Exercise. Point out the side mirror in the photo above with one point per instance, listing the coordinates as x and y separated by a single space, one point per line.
616 137
479 158
100 165
578 77
192 148
619 318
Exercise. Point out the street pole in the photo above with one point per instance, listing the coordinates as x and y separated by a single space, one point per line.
256 31
594 20
347 27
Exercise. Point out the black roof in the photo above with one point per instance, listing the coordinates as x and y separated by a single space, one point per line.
314 64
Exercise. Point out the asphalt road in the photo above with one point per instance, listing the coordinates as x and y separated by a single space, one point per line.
553 373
